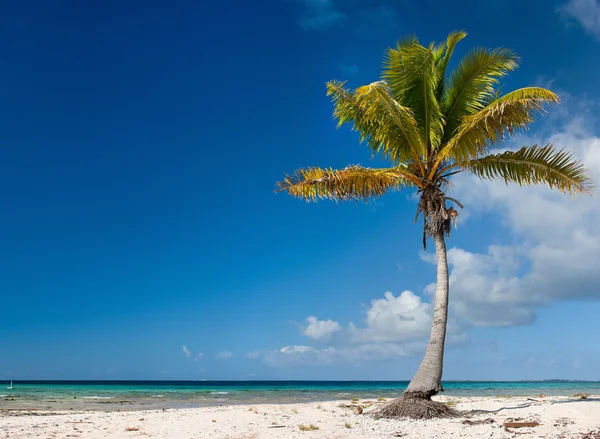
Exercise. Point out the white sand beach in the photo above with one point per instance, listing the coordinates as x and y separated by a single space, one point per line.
558 417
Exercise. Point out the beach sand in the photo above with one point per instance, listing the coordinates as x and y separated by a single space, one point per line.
558 417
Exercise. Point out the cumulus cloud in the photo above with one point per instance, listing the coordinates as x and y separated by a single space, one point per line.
186 351
199 356
558 240
485 290
224 355
389 319
394 319
586 13
320 14
320 330
393 327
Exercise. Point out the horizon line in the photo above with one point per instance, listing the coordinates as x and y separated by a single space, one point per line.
299 381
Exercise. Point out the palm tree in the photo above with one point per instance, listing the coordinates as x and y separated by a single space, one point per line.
431 125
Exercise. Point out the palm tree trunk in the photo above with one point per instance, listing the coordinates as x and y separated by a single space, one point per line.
428 379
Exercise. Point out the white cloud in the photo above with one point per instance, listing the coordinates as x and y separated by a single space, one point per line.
321 330
186 351
388 320
320 14
298 356
586 13
292 350
224 355
292 356
253 355
199 356
484 288
393 327
394 319
558 240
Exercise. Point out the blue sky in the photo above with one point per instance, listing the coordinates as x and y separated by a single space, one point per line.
140 236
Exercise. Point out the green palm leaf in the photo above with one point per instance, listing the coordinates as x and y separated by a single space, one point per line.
473 84
534 165
412 74
442 57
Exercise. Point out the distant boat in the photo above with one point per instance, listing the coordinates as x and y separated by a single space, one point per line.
10 387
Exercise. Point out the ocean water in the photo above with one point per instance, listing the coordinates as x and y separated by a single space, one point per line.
131 395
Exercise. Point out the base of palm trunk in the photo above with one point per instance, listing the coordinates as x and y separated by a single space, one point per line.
415 406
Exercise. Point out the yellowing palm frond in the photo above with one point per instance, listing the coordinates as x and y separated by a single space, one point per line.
394 127
388 128
534 165
344 102
473 84
350 183
503 116
411 72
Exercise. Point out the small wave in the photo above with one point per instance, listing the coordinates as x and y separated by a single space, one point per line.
158 396
2 396
95 397
219 393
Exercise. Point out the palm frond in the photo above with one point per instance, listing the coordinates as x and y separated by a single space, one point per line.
393 125
442 58
473 84
502 117
350 183
345 107
388 128
534 165
411 72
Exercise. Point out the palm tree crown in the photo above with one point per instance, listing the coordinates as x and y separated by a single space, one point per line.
432 125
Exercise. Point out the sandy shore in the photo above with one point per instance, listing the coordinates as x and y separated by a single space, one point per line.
558 417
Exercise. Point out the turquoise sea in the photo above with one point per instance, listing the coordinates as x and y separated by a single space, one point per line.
128 395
